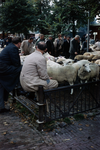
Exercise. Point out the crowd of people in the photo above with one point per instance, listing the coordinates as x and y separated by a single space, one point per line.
60 46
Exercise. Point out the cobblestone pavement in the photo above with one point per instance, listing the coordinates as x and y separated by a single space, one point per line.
17 135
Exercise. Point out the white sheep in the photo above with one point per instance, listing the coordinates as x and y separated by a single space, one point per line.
97 62
82 57
85 74
64 61
62 73
80 63
48 56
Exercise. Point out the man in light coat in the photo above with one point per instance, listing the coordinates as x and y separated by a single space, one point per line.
34 71
27 46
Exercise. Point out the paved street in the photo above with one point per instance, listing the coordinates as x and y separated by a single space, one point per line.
18 135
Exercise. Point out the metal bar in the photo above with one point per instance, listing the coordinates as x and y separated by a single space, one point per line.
41 101
88 28
85 99
77 104
50 107
75 100
81 99
93 97
55 108
13 94
25 106
72 86
64 100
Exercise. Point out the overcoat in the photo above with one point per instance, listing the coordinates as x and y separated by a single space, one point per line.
10 67
74 47
66 47
34 72
50 47
26 47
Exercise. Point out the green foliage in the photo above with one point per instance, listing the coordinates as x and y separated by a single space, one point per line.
18 16
79 117
42 9
21 15
49 126
67 120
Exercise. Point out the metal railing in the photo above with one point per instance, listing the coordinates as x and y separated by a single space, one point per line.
59 103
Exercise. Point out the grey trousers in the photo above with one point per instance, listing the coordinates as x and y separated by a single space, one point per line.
3 96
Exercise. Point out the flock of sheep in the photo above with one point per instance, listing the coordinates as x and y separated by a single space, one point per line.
62 69
84 67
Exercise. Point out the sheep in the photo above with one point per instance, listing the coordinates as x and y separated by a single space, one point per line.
80 63
48 56
98 63
81 57
64 61
88 54
85 73
96 57
62 73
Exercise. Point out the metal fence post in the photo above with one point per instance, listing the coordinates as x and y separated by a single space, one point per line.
41 106
13 94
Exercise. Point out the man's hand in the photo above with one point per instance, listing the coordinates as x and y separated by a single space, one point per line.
76 53
50 77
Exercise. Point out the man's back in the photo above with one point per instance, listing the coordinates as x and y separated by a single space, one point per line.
10 55
34 69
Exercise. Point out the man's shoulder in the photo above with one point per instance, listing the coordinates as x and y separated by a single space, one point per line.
25 41
10 46
35 57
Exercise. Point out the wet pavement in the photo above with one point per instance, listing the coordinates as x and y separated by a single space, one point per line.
18 135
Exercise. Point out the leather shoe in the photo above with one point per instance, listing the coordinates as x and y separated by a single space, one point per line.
4 110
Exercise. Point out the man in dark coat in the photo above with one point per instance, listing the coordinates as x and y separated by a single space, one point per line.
10 68
50 46
58 44
66 46
74 46
84 47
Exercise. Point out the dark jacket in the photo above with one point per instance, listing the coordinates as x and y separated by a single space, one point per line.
50 47
84 46
10 67
74 47
66 48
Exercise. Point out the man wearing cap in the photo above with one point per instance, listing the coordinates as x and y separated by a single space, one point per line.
34 71
27 46
50 46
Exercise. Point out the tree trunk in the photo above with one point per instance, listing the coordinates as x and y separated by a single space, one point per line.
74 31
